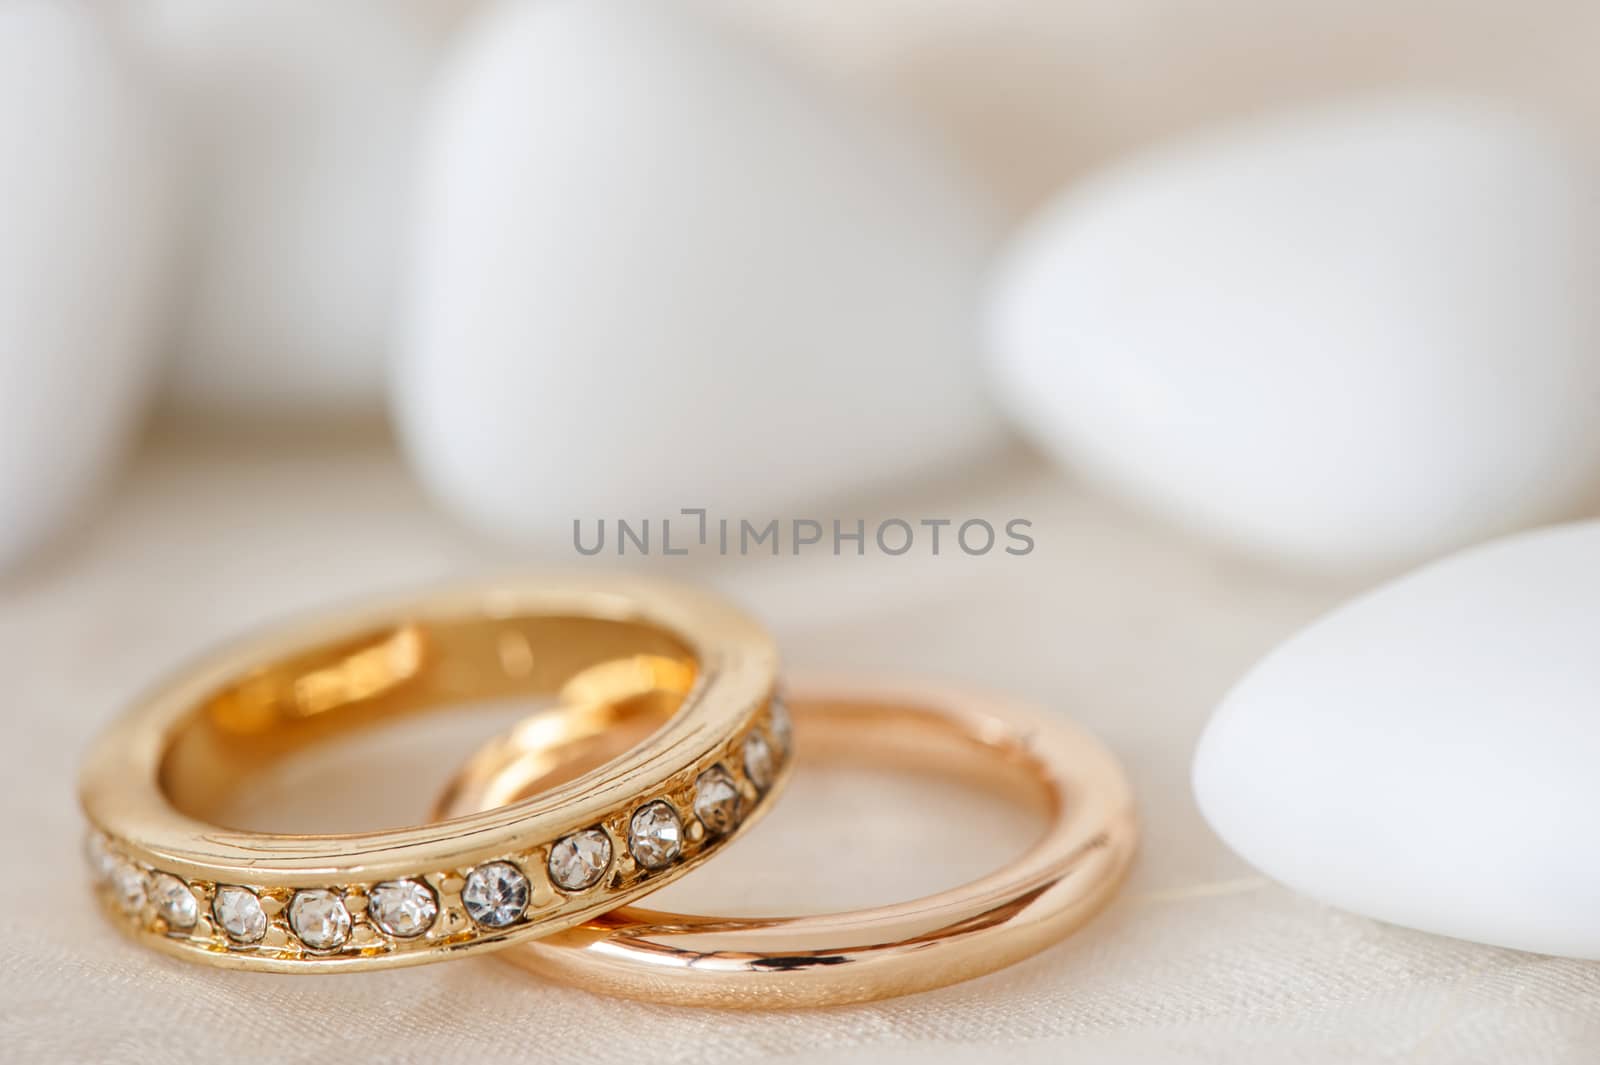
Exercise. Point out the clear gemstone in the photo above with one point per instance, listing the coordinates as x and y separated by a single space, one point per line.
758 763
496 894
403 908
780 726
655 835
239 913
319 918
128 887
174 901
579 861
717 800
102 860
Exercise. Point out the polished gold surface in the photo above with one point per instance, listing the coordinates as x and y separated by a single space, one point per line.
754 963
690 676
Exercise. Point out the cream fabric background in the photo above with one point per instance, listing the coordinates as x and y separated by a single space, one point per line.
1030 93
1130 630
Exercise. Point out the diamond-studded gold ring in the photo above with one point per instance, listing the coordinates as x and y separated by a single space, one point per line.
307 903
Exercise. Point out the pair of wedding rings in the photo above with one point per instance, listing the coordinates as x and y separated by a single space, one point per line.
548 873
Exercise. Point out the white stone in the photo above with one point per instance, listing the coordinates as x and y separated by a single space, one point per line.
319 918
579 861
655 835
1340 337
654 269
495 894
403 908
717 800
758 762
174 901
128 887
85 215
1427 755
238 912
299 120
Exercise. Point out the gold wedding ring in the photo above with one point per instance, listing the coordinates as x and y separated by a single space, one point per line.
1057 885
174 880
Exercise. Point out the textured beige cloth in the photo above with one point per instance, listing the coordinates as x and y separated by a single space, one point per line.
1121 625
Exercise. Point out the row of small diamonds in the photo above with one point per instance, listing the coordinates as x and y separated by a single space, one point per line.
494 895
320 917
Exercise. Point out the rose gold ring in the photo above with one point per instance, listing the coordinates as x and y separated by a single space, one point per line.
999 919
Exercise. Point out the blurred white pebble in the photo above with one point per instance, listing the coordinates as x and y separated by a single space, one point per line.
1426 754
85 213
298 119
1341 337
656 270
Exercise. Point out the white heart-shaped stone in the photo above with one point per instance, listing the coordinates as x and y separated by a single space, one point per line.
1429 754
298 121
1343 338
656 270
85 226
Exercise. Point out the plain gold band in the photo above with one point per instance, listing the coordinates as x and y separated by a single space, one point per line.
1055 887
315 903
